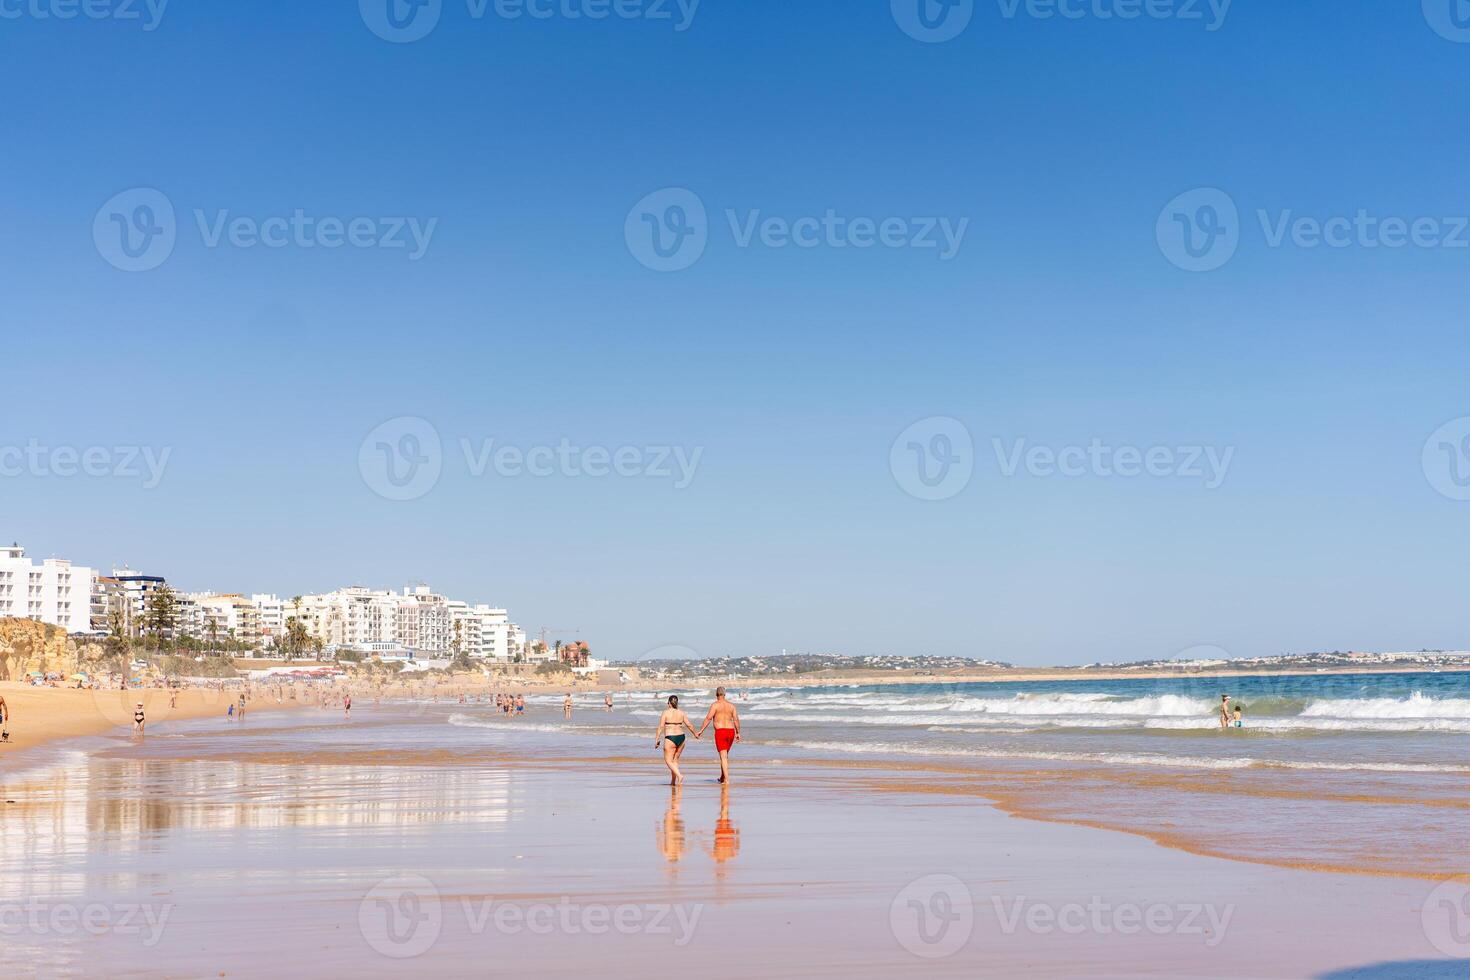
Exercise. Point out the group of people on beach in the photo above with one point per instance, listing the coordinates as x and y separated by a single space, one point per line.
674 728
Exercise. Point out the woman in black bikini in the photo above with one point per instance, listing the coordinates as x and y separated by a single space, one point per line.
138 719
671 725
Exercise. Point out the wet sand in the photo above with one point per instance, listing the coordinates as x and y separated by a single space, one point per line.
227 854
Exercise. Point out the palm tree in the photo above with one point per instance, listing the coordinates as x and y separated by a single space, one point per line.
292 635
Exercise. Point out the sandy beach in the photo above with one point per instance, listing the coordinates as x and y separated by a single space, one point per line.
44 714
301 843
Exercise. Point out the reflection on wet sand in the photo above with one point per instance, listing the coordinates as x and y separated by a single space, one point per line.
121 806
727 835
671 839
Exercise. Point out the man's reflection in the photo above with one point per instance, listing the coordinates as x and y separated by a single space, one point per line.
727 835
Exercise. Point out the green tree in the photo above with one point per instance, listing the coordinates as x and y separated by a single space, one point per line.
161 616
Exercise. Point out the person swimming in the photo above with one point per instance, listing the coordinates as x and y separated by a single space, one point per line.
671 728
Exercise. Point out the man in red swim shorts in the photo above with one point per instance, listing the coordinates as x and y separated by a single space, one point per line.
727 730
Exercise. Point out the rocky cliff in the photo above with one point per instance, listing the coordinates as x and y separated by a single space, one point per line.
26 645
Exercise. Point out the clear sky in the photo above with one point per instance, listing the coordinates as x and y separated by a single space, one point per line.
1052 148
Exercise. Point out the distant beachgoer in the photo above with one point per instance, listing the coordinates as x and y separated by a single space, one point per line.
4 721
520 704
1237 715
230 712
138 719
173 697
671 729
242 707
607 701
347 706
1224 711
566 705
727 730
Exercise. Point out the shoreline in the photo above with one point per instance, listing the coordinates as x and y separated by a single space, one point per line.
43 715
890 678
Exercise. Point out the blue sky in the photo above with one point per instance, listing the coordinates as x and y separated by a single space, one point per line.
529 320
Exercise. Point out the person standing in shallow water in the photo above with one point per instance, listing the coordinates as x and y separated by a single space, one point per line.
727 730
671 735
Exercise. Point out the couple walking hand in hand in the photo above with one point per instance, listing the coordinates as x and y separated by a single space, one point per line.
673 722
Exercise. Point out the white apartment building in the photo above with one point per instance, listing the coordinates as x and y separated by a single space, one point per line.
55 592
356 617
135 589
271 614
424 624
226 617
464 628
495 634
